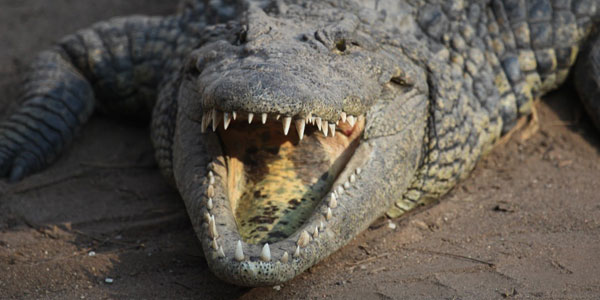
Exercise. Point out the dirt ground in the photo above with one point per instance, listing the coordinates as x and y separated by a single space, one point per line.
526 224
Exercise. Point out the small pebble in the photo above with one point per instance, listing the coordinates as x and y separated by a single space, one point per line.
391 225
108 280
92 253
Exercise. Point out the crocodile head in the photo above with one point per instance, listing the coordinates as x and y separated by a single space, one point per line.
292 136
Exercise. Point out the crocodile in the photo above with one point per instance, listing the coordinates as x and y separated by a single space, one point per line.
392 101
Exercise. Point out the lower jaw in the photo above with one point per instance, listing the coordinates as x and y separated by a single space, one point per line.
241 263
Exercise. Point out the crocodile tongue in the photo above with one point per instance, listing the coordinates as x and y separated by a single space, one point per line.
275 181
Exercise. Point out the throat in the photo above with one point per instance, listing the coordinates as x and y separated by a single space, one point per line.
275 181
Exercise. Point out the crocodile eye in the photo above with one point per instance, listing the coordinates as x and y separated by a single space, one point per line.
242 35
340 45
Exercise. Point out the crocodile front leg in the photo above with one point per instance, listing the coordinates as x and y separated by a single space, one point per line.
116 65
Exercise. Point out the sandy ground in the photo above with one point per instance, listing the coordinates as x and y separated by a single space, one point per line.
526 224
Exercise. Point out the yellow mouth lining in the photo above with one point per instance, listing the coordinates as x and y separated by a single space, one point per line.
274 181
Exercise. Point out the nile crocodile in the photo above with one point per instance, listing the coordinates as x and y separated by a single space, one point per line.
392 101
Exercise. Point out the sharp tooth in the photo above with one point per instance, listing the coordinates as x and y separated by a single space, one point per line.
214 244
207 217
321 226
284 259
211 177
209 203
234 115
265 254
210 192
226 120
329 214
216 116
333 201
277 117
304 239
212 228
343 116
351 120
297 252
358 171
332 129
319 122
250 117
286 124
347 184
264 118
316 232
340 190
220 252
352 178
300 127
239 253
205 119
325 127
307 118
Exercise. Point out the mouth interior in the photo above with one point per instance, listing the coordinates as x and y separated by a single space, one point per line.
275 181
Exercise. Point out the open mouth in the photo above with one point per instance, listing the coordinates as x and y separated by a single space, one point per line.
275 177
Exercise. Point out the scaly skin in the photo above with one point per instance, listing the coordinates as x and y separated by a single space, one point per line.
433 83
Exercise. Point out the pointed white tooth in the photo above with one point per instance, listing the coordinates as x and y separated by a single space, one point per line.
265 254
234 115
284 259
325 127
216 116
205 119
210 192
226 120
209 203
263 118
214 244
340 190
352 178
239 253
250 117
220 252
277 117
212 228
347 184
297 252
319 123
286 124
332 129
351 120
321 226
358 171
343 116
316 233
333 201
300 127
329 214
211 177
207 217
307 118
304 239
